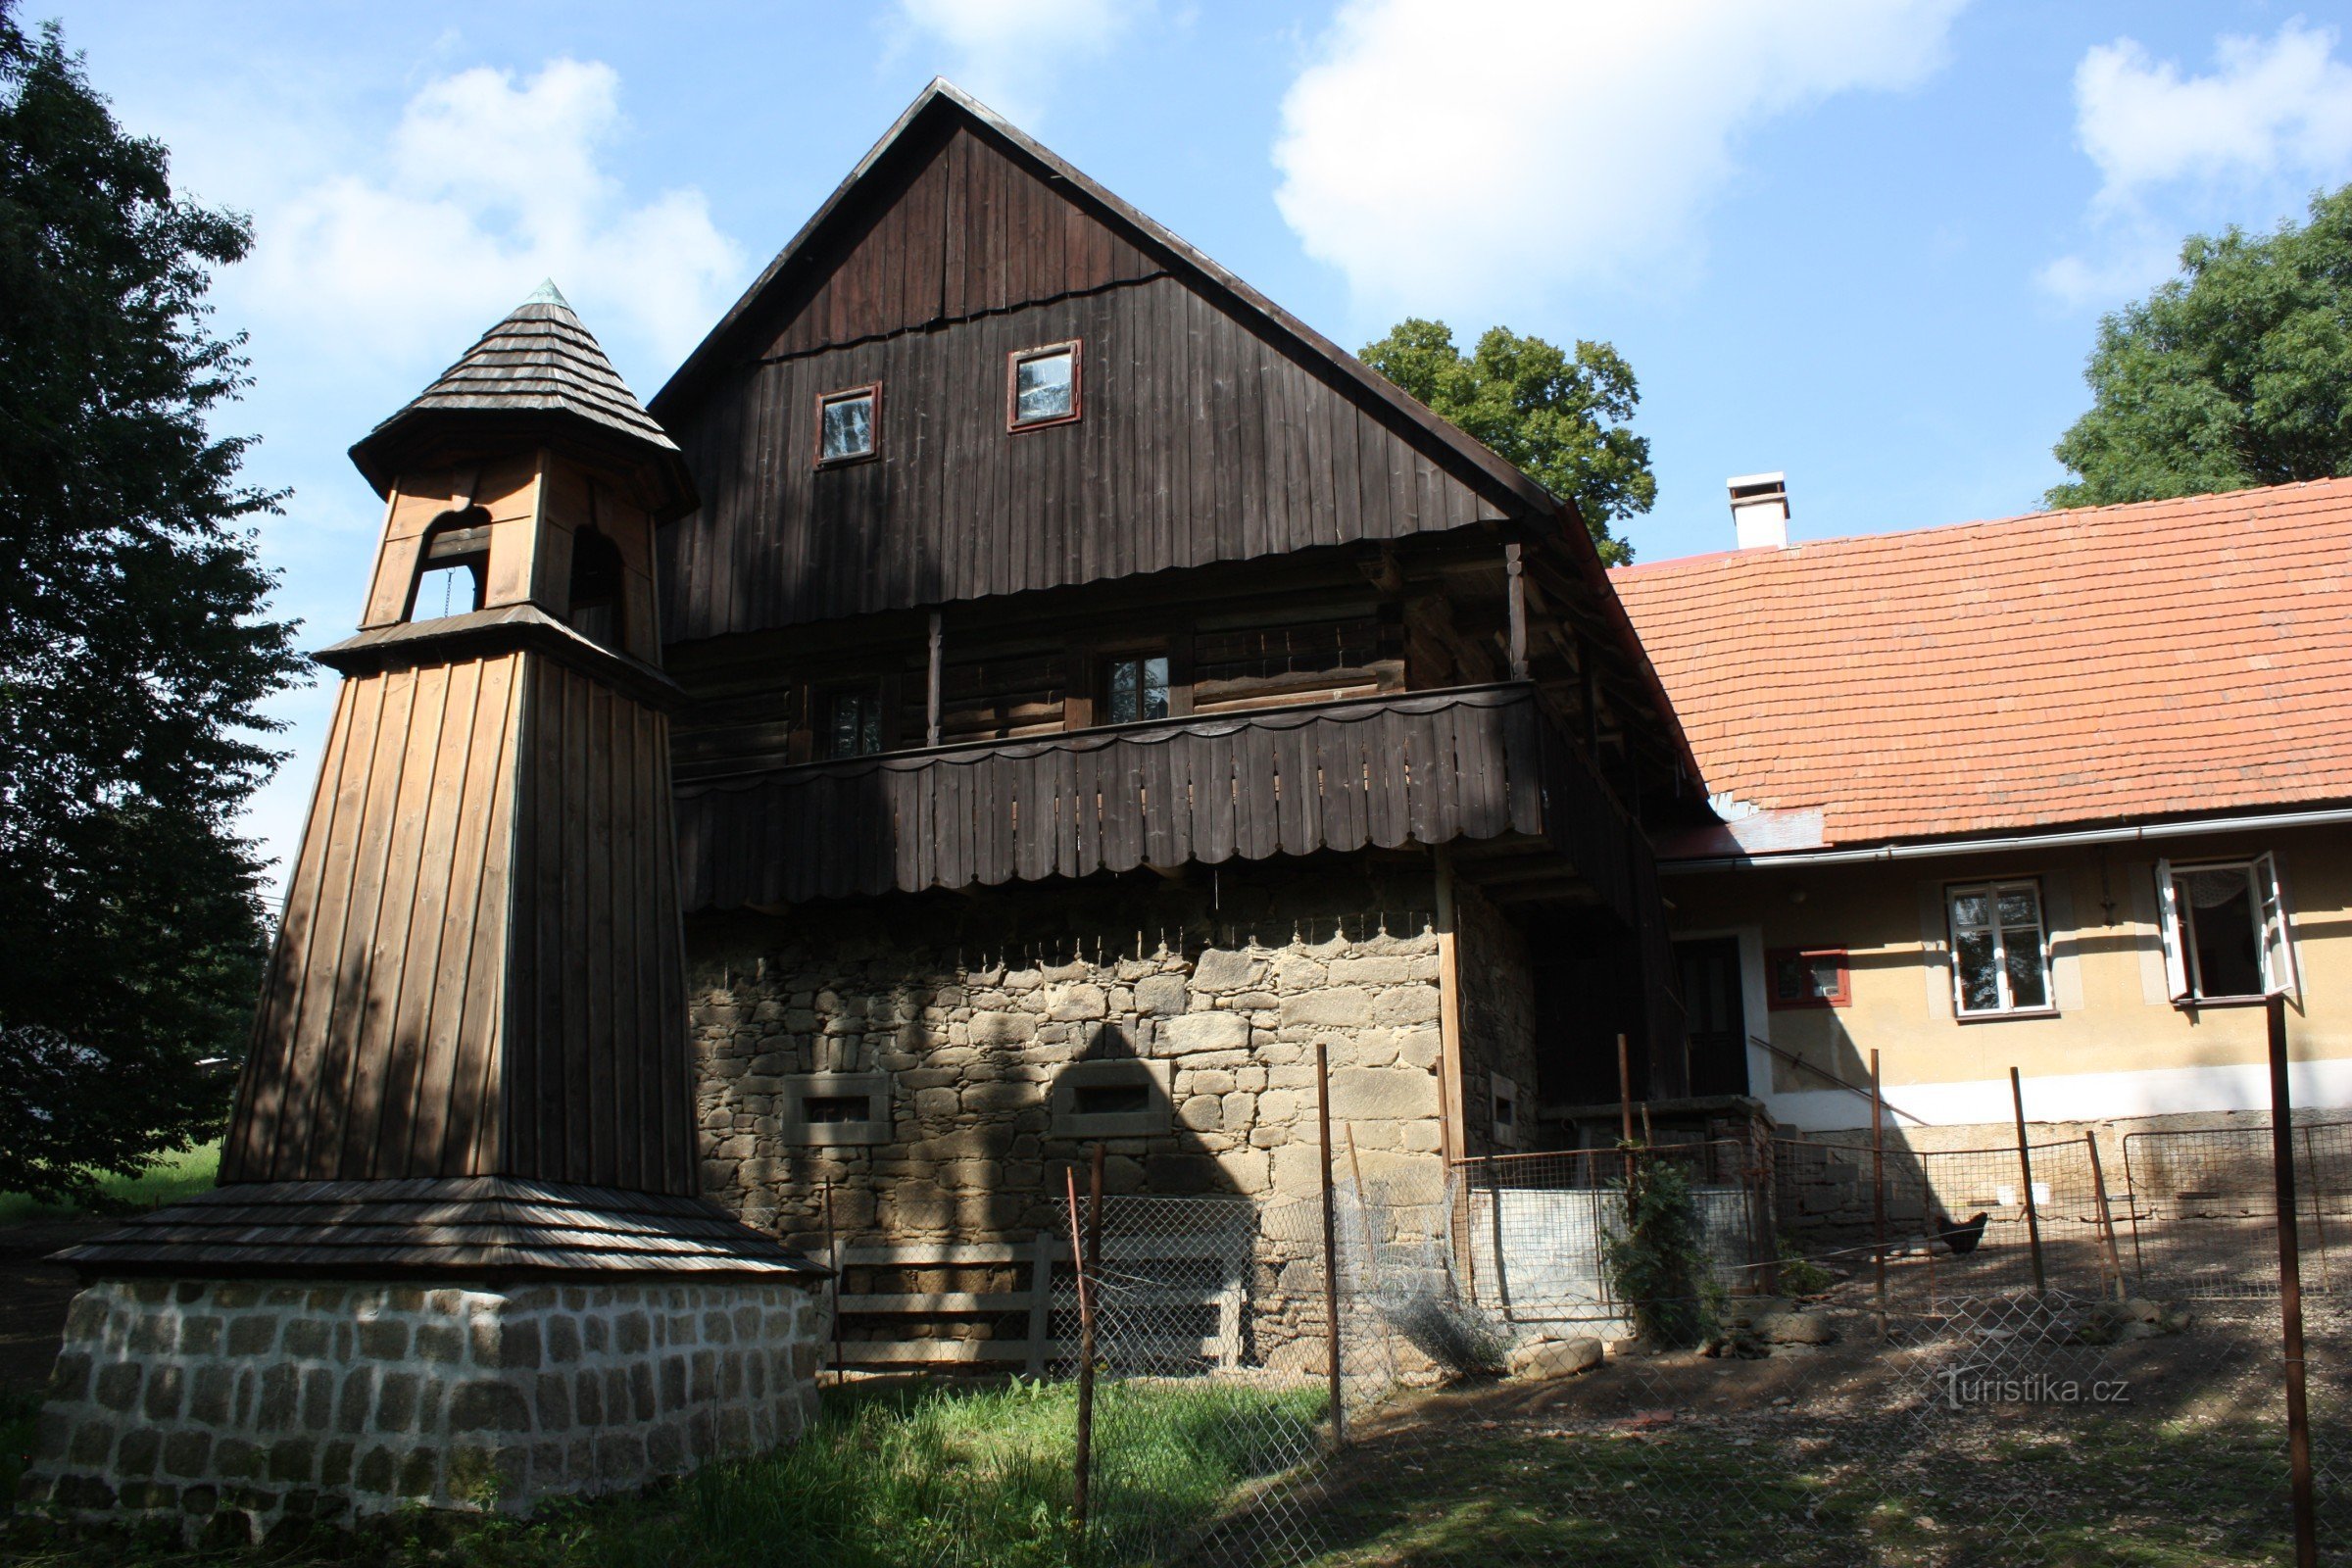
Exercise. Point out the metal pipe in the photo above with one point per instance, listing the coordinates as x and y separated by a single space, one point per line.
2024 1163
1877 1190
2133 833
1086 1367
833 1256
1331 1248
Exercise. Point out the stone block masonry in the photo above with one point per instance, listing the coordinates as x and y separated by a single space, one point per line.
230 1408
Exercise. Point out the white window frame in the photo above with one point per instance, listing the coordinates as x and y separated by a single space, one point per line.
2008 1007
2274 934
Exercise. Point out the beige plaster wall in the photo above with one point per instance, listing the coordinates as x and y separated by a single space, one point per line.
2117 1046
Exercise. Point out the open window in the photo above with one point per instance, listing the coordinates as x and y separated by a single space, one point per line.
596 587
1042 387
2000 948
2226 930
849 425
453 567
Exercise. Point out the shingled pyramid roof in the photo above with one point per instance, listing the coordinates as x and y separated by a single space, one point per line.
540 366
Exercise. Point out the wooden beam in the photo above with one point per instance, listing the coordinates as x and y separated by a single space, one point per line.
931 701
1515 571
1450 1012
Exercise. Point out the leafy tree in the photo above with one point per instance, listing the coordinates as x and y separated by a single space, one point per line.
1560 419
2236 372
134 651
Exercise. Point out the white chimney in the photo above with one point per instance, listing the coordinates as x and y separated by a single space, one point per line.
1760 510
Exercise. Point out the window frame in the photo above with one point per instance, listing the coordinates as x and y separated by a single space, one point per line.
1991 887
2175 927
1842 996
822 700
873 450
1014 360
1156 1075
794 1126
1106 663
1502 1094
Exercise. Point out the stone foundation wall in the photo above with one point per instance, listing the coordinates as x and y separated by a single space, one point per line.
972 1024
228 1407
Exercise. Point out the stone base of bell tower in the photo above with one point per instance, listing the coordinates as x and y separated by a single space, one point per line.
231 1407
602 1340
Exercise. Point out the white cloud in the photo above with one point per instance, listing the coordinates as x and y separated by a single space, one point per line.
1463 149
488 184
1005 51
2176 153
2283 106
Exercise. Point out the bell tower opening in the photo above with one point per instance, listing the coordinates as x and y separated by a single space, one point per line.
453 567
596 587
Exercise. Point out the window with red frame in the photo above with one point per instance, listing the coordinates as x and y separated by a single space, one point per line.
1807 977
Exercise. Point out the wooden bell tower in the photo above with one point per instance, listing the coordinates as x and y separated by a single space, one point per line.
479 971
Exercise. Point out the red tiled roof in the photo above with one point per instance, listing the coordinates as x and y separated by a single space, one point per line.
2137 661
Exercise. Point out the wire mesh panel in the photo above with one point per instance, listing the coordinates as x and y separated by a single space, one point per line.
2202 1200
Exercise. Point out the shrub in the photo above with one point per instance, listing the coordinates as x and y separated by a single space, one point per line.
1656 1265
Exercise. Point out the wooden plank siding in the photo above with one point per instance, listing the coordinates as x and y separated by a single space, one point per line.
1426 768
1205 434
478 972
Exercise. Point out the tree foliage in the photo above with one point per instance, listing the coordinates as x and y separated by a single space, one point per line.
2236 372
134 651
1559 418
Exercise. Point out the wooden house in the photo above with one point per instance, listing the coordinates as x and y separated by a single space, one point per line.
1102 690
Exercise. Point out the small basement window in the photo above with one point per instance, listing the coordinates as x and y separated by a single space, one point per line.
453 567
1136 688
2223 925
849 425
834 1108
1808 977
1110 1100
2001 949
1502 1103
1043 386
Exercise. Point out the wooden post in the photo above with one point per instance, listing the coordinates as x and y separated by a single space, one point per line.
1516 582
833 1258
1502 1273
1040 1302
1877 1190
1452 1118
2025 1164
2290 1291
1625 1093
2098 1183
931 698
1085 1365
1331 1246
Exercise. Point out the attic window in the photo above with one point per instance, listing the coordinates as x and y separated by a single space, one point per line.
596 587
1136 688
453 567
1043 386
849 425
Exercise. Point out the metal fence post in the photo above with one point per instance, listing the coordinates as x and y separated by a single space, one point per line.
2290 1291
1877 1190
2098 1185
833 1257
1331 1245
1085 1367
2025 1164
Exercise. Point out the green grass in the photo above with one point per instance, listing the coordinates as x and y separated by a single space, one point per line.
174 1175
897 1478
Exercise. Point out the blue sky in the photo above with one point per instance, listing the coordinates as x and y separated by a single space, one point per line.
1866 241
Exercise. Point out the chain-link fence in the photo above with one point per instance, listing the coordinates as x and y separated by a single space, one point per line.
1886 1356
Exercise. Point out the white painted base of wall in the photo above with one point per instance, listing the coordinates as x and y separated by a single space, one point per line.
2072 1097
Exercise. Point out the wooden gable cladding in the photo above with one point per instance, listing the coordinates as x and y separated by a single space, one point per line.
964 229
1203 440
